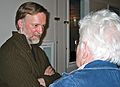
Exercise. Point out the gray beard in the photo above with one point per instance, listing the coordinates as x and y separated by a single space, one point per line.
28 39
32 41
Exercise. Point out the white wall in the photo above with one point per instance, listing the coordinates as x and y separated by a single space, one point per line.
6 19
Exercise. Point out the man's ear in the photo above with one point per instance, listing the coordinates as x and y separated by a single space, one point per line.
20 23
86 54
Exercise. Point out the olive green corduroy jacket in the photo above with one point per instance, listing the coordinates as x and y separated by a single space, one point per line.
18 67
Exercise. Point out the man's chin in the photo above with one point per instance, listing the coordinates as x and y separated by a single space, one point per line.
33 41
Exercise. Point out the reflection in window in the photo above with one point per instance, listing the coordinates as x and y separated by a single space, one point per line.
74 28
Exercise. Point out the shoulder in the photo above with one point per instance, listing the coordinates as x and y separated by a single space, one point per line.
7 48
67 80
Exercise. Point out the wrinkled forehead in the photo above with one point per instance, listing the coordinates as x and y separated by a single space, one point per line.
39 17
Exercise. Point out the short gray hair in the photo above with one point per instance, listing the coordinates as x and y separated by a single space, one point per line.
101 31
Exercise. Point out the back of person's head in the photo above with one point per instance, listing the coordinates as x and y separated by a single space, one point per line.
30 8
101 31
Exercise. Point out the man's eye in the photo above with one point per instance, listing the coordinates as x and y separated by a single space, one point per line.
35 25
43 26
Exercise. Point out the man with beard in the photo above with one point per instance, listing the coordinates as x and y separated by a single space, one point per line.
22 62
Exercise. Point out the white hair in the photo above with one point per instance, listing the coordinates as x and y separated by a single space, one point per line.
101 31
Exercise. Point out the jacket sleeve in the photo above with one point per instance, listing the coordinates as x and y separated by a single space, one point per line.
17 73
46 63
51 79
65 81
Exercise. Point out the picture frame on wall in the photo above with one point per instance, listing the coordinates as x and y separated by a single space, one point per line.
48 48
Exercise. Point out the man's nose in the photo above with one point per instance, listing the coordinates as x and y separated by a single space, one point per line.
40 29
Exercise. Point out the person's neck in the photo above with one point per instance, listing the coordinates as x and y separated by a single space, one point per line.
81 67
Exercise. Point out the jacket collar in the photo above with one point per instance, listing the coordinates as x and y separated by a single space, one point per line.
22 37
101 64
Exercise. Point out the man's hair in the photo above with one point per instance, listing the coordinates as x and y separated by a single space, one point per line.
29 8
101 31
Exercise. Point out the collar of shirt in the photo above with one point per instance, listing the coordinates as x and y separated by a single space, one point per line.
81 67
